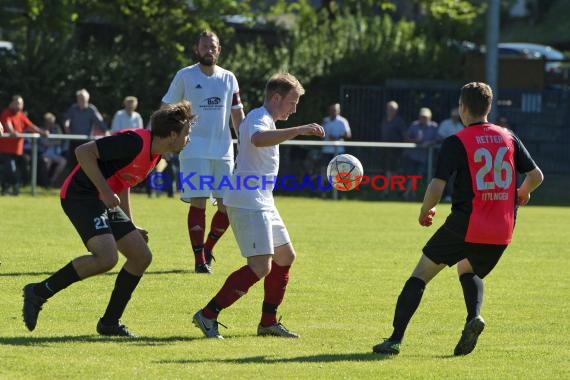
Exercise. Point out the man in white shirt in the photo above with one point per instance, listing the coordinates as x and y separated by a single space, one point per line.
128 117
214 94
258 228
336 129
450 126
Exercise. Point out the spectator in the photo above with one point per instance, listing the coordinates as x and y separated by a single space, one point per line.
393 129
423 132
336 129
12 149
79 120
1 128
450 126
53 150
127 118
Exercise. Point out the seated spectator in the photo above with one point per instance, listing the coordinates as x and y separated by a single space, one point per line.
53 150
127 118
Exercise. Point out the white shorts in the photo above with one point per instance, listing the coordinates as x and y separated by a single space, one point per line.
257 232
208 175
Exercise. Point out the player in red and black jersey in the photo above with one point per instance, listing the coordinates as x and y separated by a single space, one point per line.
484 201
95 197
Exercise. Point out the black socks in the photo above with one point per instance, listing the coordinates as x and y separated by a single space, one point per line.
473 293
124 287
57 281
408 302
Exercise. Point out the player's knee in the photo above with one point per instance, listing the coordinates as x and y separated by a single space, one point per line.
146 259
107 262
261 270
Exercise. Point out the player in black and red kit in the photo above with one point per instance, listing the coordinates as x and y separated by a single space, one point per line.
95 197
481 223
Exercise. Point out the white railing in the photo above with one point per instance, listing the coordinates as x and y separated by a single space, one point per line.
360 144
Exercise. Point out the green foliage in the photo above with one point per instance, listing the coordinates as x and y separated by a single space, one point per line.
355 47
134 47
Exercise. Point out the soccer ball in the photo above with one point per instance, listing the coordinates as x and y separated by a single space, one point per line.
344 172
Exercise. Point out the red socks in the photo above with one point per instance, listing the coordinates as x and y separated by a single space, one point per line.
237 284
196 226
275 285
220 223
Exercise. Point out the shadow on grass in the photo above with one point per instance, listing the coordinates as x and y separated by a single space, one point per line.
50 340
113 273
322 358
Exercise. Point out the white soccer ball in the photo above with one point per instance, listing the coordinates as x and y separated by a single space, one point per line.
345 172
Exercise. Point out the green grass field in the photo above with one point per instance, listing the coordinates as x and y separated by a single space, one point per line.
353 258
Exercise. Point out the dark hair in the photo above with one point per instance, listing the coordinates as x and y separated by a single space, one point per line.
207 33
477 97
171 118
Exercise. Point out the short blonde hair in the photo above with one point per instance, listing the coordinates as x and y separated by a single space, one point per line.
130 99
282 83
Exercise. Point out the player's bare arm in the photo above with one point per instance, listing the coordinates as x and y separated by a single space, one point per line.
125 198
237 117
277 136
533 179
431 199
87 156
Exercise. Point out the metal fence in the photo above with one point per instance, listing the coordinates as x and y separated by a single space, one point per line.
539 118
288 163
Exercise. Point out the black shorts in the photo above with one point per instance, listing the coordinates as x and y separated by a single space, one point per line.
90 218
447 247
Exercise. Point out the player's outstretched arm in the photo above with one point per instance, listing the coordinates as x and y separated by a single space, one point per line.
532 180
431 199
277 136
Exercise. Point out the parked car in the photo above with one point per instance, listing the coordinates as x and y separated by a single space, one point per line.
534 51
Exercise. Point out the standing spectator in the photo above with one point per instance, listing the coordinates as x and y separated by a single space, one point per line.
447 128
80 119
53 150
336 128
96 199
450 126
393 129
423 132
12 149
128 117
261 235
214 92
480 226
1 128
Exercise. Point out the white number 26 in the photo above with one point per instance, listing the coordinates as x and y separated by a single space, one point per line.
502 171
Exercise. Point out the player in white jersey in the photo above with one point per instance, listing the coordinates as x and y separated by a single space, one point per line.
260 233
214 94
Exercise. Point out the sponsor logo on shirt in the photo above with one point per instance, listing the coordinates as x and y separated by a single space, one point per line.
212 103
